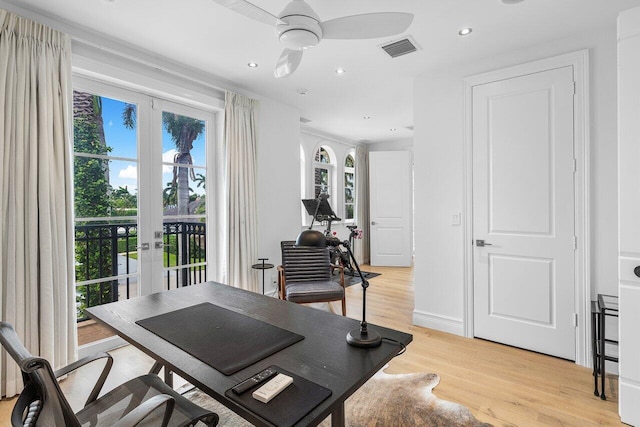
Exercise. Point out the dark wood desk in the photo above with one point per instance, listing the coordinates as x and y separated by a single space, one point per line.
323 356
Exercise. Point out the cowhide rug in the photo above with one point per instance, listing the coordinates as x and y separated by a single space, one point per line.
386 400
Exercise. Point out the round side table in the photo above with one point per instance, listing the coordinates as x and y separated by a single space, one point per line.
262 266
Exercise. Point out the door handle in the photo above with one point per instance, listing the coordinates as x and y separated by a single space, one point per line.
160 245
482 243
143 246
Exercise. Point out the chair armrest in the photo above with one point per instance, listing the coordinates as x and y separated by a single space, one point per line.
85 360
341 269
281 282
134 417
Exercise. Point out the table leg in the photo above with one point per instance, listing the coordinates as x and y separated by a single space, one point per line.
155 369
337 416
168 375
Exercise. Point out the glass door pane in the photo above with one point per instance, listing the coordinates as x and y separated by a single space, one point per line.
184 195
106 205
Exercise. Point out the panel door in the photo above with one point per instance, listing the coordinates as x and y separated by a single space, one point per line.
390 208
629 212
523 210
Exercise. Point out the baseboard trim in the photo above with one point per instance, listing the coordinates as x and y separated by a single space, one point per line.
438 322
628 406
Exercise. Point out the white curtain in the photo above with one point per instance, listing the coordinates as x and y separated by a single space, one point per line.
362 202
36 232
242 218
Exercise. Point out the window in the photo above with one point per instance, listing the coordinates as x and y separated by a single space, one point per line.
349 188
322 171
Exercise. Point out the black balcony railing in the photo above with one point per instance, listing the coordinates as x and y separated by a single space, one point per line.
110 250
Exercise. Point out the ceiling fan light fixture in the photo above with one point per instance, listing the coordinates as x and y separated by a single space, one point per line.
299 39
298 32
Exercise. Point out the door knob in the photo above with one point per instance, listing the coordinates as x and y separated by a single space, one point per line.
636 271
482 243
373 223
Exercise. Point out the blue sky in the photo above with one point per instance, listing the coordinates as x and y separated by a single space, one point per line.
123 142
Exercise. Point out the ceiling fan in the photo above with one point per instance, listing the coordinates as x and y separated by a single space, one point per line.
298 27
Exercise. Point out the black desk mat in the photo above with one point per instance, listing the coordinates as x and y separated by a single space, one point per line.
288 407
223 339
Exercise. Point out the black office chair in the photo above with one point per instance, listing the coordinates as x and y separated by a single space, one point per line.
305 276
143 401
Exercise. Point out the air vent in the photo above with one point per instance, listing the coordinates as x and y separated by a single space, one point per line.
303 120
400 47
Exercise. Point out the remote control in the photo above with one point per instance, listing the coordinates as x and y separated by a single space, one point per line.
258 378
271 389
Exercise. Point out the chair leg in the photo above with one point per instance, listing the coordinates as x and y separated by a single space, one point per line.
344 306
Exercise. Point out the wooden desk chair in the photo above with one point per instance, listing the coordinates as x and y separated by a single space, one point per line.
143 401
305 276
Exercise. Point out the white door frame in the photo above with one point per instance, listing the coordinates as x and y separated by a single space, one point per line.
580 62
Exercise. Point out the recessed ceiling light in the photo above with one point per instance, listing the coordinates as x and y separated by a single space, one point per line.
366 117
465 31
393 129
340 71
302 92
252 65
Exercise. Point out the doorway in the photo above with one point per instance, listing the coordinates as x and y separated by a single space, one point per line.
141 211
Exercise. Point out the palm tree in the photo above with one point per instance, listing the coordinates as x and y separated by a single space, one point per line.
87 108
169 194
201 181
183 130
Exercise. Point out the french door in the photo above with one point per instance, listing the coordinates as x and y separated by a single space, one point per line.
141 211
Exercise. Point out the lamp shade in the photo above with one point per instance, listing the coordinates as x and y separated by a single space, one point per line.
311 238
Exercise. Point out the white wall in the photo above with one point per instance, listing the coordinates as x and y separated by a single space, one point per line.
404 144
278 182
439 170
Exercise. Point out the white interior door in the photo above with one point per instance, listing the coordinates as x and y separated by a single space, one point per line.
523 211
390 208
629 212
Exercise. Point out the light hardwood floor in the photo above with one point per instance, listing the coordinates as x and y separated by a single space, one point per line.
501 385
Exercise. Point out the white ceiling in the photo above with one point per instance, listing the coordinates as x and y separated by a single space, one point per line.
206 36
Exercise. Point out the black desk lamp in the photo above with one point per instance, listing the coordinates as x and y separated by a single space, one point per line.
359 337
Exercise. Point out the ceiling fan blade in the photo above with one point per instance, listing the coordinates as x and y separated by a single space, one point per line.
249 10
366 26
288 62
